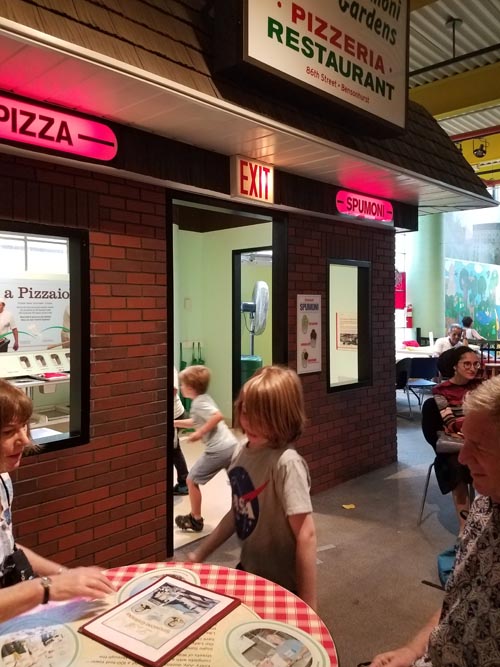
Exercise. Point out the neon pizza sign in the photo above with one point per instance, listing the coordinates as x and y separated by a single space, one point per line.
365 208
45 128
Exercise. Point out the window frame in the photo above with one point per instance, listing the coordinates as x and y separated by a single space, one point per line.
364 347
79 286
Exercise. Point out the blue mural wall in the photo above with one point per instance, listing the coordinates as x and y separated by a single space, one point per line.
471 288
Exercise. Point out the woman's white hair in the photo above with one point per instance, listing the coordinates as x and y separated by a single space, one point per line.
486 398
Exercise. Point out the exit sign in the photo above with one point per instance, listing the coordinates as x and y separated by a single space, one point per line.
251 179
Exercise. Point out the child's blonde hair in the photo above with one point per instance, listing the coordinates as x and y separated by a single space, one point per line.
196 377
273 402
15 406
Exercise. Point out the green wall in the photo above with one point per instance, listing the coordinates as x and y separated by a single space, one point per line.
425 275
203 293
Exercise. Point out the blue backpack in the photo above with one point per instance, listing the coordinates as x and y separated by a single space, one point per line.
445 564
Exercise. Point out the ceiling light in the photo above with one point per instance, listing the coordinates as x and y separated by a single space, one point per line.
481 150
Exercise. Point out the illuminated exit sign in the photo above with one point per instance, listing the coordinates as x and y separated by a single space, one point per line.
251 179
33 124
364 208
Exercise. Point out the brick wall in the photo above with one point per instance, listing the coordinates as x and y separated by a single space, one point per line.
350 432
103 502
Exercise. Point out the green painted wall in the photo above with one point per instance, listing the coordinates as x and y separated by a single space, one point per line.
425 275
203 293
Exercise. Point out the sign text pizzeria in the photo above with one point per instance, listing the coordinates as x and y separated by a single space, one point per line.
354 50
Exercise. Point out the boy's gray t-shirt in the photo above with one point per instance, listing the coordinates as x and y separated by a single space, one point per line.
202 408
269 485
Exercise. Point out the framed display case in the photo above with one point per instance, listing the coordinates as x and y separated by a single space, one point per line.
349 324
44 327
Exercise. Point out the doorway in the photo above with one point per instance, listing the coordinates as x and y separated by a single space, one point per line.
206 297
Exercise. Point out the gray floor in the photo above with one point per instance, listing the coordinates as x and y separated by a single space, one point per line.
372 559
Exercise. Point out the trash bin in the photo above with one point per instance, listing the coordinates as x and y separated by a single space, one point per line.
249 364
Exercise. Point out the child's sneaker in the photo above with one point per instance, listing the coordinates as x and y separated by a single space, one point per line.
188 522
181 490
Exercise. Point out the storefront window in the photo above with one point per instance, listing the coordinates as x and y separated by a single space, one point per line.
349 325
44 327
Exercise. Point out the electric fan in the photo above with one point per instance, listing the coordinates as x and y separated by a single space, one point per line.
257 310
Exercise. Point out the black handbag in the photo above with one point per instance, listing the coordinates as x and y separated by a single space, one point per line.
15 568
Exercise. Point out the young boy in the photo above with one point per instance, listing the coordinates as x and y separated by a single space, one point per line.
210 427
271 506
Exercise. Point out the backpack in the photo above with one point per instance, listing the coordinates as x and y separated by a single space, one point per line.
445 564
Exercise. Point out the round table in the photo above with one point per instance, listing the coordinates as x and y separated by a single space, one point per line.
265 598
51 634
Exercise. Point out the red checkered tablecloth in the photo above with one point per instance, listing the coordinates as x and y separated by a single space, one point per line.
267 599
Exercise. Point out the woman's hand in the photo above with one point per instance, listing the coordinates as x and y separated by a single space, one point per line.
87 582
401 657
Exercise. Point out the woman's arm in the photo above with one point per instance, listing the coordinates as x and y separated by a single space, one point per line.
406 655
42 566
452 422
304 530
89 582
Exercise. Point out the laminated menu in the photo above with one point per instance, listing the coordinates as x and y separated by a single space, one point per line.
160 621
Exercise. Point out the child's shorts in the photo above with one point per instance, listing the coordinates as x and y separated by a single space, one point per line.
209 464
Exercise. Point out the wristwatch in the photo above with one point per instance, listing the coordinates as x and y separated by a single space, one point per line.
46 581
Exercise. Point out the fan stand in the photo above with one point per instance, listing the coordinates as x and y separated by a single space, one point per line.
252 334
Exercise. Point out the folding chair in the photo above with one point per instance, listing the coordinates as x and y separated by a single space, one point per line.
432 426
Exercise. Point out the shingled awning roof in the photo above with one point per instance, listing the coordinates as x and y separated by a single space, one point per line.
146 63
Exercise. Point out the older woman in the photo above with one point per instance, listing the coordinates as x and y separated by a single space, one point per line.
461 366
464 633
52 581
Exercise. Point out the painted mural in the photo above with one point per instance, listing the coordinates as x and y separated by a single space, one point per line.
472 288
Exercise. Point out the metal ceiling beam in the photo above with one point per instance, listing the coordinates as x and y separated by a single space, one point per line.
474 134
468 91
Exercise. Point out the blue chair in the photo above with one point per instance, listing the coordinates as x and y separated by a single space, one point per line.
403 367
422 373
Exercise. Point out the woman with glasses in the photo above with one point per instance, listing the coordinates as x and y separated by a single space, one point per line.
461 366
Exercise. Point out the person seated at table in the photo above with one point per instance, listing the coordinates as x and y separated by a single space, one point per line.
272 510
57 582
461 365
453 339
469 332
464 633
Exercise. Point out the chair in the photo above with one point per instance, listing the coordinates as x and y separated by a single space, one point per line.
490 357
422 372
432 427
403 367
